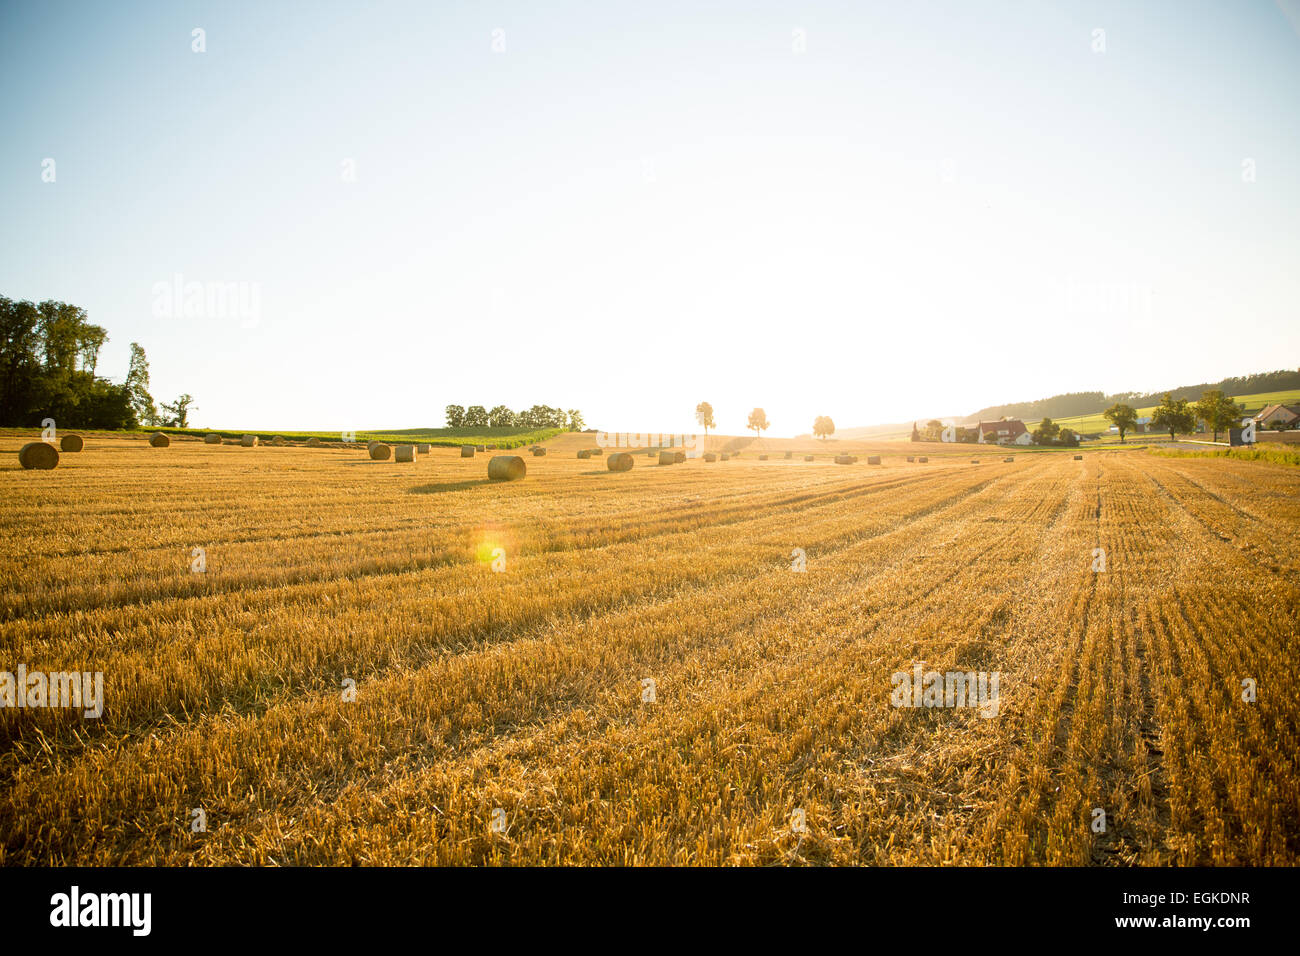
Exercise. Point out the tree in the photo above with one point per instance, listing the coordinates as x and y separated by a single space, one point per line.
178 412
501 417
1122 416
1068 437
1173 416
20 363
758 421
916 435
455 416
476 416
1217 411
137 386
576 424
704 415
1046 433
823 426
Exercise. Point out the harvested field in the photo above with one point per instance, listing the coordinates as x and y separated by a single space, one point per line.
499 635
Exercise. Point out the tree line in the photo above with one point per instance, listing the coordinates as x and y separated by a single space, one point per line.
49 353
499 416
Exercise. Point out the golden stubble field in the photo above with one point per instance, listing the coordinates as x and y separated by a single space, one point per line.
771 738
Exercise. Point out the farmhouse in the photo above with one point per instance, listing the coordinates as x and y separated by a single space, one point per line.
1288 415
1007 431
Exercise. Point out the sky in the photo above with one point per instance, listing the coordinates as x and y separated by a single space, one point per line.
348 216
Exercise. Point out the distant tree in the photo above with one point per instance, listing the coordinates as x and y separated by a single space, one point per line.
1047 432
455 415
916 435
1218 411
1122 416
704 415
576 424
178 412
1174 415
758 421
476 416
137 386
1068 437
501 417
823 427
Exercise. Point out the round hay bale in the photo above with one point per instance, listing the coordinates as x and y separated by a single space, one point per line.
380 452
679 457
480 447
212 438
466 451
159 440
923 461
1008 459
651 454
314 442
277 441
539 452
38 454
584 453
248 441
844 459
506 468
1078 458
598 452
71 443
974 461
807 457
911 458
667 458
726 457
490 448
710 456
762 458
423 448
620 461
873 459
404 453
789 455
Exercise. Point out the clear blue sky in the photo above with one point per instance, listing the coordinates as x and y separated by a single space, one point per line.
934 207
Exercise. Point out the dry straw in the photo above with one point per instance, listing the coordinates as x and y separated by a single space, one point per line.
466 451
38 454
159 440
923 461
710 456
873 459
423 448
539 452
844 459
667 458
506 468
71 443
679 457
1078 458
404 453
584 453
314 442
212 438
248 441
620 461
380 452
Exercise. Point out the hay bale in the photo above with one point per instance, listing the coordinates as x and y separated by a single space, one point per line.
974 461
480 447
1008 459
762 458
873 459
584 453
807 457
598 452
620 461
710 456
506 468
380 452
539 452
423 449
679 457
911 458
726 457
248 441
159 440
467 451
212 438
71 443
844 459
314 442
923 460
38 454
1078 458
651 454
667 458
404 453
789 455
277 441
